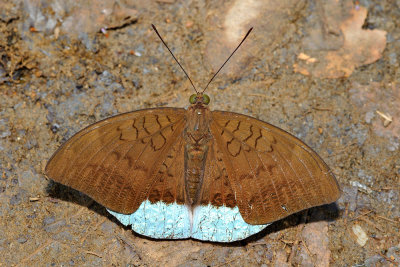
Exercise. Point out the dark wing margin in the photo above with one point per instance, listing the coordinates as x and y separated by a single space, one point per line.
272 173
114 161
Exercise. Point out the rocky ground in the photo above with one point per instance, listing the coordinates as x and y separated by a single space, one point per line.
325 72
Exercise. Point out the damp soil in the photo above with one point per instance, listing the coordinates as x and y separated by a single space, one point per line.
66 65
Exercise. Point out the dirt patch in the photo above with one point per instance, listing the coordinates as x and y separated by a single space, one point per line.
65 65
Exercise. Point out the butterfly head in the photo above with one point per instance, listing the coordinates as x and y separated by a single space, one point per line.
199 99
198 120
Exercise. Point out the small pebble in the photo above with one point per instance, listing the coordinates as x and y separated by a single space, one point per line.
362 237
21 240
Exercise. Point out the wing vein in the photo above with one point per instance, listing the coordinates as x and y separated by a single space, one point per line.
254 175
293 169
113 140
309 173
273 183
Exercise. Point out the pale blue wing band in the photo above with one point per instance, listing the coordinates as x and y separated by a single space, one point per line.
176 221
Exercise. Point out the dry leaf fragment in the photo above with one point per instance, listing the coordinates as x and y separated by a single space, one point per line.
358 47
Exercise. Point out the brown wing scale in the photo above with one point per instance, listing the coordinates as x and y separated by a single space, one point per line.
216 188
272 173
117 160
168 185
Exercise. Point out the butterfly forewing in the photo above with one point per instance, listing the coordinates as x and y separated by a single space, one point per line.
117 161
272 173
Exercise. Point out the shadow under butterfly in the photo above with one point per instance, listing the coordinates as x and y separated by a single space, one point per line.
174 173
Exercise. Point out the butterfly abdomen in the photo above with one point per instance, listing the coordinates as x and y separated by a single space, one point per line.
195 158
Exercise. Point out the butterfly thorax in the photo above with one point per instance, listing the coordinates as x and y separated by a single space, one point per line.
197 138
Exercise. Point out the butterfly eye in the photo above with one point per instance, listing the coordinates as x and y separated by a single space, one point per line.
206 99
192 99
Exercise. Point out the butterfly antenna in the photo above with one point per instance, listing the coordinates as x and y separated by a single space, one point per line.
247 34
154 28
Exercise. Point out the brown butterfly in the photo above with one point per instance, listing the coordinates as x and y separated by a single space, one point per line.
180 173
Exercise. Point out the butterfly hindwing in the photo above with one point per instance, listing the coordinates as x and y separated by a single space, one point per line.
216 188
164 213
217 217
168 183
272 173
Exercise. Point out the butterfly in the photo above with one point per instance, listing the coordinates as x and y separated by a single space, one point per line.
175 173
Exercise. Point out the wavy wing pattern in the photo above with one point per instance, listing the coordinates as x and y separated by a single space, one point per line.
272 173
119 161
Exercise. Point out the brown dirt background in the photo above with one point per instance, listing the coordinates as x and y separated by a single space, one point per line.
59 73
